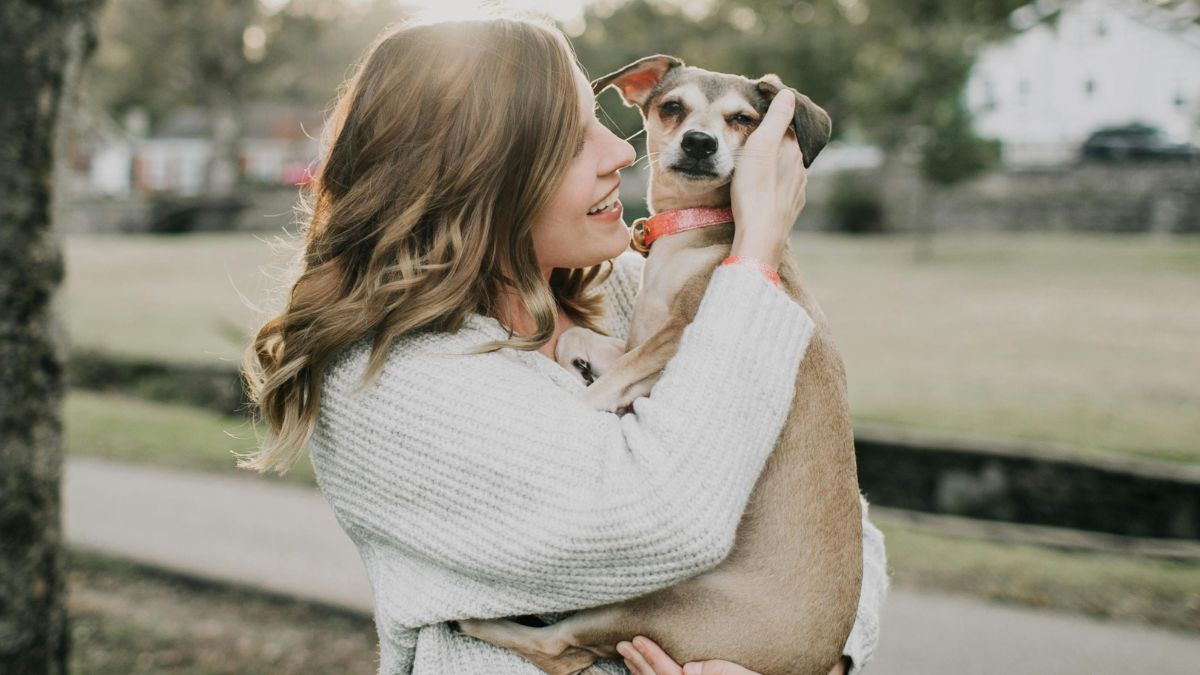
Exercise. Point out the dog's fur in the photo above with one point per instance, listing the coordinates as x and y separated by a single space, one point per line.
784 600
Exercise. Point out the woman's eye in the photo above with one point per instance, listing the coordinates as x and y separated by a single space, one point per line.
671 108
742 119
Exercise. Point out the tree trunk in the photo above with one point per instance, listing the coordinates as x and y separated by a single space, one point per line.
42 45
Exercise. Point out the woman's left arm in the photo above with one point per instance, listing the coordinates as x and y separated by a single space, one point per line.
644 657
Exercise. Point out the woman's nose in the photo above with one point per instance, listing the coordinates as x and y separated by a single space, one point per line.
630 153
624 155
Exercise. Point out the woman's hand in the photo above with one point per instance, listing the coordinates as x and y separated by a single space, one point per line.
644 657
767 190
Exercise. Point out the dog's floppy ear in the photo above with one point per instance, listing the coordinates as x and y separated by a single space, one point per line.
810 122
636 80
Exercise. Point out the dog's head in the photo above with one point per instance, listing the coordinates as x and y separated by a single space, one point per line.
696 120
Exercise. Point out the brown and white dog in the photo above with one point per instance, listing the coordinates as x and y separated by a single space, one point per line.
784 600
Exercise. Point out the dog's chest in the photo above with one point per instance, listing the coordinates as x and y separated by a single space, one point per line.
671 263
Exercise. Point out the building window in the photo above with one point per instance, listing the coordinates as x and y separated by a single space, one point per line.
989 96
1089 87
1180 101
1101 28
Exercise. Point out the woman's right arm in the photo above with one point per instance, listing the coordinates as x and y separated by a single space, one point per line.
486 471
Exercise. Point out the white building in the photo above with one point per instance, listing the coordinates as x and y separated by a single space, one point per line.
1102 63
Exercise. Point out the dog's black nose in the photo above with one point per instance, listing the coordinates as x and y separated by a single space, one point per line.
698 145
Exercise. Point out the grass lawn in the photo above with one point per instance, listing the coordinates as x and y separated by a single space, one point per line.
1122 587
193 298
1088 341
1084 340
129 429
1125 587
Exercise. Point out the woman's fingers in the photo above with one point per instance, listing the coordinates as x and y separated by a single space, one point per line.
777 121
656 657
716 667
644 657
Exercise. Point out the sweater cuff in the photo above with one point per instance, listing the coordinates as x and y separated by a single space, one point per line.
739 297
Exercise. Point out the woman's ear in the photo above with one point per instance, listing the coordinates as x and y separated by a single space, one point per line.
636 80
810 122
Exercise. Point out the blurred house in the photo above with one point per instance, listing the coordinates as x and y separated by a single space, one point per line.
125 160
1098 63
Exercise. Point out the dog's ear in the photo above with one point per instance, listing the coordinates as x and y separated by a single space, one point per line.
636 80
810 122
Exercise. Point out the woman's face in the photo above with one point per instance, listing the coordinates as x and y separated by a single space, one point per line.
570 232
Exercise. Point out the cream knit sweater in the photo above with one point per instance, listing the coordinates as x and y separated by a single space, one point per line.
479 486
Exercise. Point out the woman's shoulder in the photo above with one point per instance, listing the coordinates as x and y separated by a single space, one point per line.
413 354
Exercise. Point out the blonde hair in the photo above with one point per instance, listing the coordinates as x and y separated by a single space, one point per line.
447 143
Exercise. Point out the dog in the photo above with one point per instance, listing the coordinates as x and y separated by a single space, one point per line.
802 524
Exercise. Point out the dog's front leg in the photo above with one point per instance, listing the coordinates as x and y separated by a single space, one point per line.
636 371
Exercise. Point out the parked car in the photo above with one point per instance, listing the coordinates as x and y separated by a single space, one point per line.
1136 141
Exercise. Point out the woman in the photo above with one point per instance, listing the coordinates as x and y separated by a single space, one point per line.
449 244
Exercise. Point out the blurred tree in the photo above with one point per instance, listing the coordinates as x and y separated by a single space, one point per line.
893 72
41 47
161 55
219 56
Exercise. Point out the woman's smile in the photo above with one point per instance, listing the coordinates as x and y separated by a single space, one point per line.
609 205
609 213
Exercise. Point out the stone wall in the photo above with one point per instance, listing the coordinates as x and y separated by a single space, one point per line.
1029 483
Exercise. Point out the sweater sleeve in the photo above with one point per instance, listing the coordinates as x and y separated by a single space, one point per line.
496 492
864 636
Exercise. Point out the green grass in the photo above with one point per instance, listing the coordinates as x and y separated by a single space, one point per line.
194 298
128 429
1121 587
1083 340
1086 341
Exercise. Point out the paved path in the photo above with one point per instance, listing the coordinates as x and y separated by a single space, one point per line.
285 539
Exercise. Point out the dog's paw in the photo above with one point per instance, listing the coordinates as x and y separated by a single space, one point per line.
573 345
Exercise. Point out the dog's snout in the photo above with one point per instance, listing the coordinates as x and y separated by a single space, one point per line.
698 145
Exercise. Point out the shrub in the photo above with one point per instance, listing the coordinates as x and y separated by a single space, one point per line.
855 206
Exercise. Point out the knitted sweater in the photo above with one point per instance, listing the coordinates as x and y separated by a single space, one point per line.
479 486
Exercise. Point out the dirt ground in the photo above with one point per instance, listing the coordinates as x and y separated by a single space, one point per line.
128 621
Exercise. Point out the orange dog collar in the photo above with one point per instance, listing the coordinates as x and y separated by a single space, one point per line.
646 230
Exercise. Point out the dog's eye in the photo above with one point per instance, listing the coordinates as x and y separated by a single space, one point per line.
743 119
670 108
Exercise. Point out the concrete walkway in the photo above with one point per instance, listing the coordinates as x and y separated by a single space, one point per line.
285 539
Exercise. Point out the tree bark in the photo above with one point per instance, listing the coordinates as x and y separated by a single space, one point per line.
42 45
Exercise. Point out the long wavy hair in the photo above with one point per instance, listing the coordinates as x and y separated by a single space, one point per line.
447 142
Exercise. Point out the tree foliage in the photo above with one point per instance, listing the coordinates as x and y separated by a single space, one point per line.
888 72
159 55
